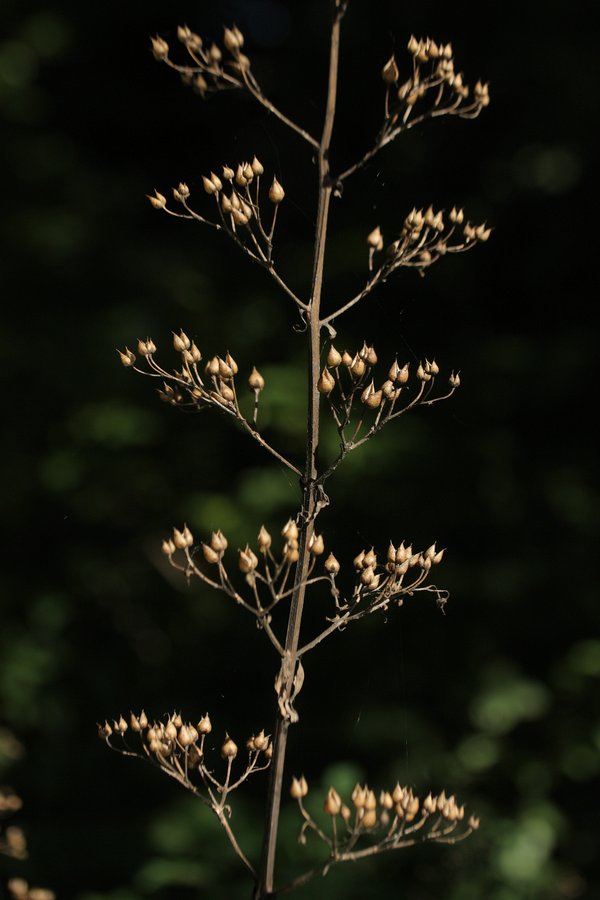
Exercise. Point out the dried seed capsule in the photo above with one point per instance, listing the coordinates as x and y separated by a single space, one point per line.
210 555
359 795
359 561
159 201
276 192
390 73
346 359
454 380
316 545
205 725
209 185
247 560
160 48
257 166
229 749
334 358
127 358
331 565
326 382
256 382
179 539
231 40
299 788
290 531
333 803
264 539
375 239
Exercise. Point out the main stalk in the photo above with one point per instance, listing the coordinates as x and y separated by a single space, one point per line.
265 883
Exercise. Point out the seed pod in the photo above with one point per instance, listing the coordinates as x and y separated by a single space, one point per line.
205 725
375 239
290 531
160 48
357 367
346 359
247 560
333 803
179 539
299 788
256 382
390 73
127 358
264 539
229 749
331 565
454 380
210 555
230 40
316 545
257 166
326 382
358 796
276 192
334 358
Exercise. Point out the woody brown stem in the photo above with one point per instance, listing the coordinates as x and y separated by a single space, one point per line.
265 883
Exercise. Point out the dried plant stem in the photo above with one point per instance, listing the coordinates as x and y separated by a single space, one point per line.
311 488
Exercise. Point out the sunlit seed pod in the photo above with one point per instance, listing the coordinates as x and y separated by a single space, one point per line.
469 231
195 353
290 530
402 376
269 751
160 48
441 800
184 738
225 370
230 40
239 217
212 367
179 539
412 98
345 813
391 553
255 381
257 166
374 399
205 725
228 173
333 802
316 545
385 799
331 565
414 560
425 256
370 558
134 723
211 556
142 348
236 203
358 796
367 576
214 53
181 342
229 749
247 210
264 539
240 178
177 720
296 789
429 804
388 390
438 557
420 373
276 192
482 233
104 731
368 818
290 554
326 382
370 800
334 358
171 730
127 358
226 204
430 552
401 553
454 380
358 367
188 536
248 172
250 744
192 732
401 568
413 45
473 823
155 746
151 735
247 560
375 239
413 807
390 73
261 740
143 720
398 793
370 356
359 561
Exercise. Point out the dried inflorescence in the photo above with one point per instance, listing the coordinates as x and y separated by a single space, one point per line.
426 236
397 819
269 576
434 88
177 748
240 211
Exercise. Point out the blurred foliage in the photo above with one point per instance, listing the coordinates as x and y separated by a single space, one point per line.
498 699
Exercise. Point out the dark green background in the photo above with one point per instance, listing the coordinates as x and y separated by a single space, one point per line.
497 700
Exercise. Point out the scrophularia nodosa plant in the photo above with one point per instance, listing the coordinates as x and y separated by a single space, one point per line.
362 395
